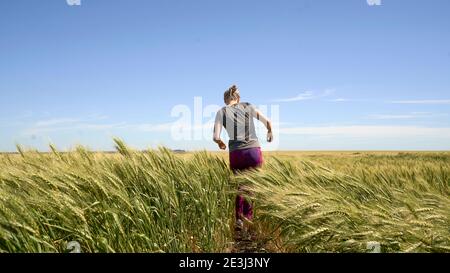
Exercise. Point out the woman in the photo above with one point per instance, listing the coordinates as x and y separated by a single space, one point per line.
245 152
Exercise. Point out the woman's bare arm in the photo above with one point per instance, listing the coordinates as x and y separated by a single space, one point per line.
216 135
261 117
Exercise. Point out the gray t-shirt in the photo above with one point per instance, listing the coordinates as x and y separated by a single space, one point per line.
237 119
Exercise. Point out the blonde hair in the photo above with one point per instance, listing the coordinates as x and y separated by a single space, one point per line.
231 94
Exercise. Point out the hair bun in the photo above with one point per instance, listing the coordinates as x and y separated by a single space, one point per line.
232 93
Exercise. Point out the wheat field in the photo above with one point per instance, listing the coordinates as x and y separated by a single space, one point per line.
158 201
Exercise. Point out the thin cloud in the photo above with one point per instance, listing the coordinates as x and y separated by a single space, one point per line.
51 122
341 100
413 115
66 121
36 130
147 127
307 95
16 120
302 96
421 102
68 124
393 116
349 100
369 131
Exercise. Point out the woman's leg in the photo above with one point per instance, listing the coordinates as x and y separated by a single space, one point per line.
248 210
242 160
239 207
236 165
244 207
255 160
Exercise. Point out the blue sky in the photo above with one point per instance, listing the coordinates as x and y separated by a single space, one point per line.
345 75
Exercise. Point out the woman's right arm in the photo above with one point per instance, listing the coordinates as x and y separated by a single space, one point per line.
217 131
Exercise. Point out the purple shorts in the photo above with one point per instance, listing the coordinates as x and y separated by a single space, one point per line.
246 159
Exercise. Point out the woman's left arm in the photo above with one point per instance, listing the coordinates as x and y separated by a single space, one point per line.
260 116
